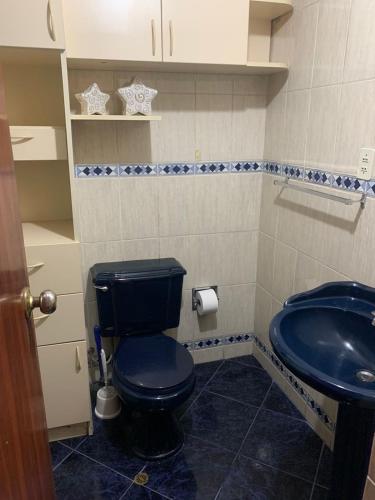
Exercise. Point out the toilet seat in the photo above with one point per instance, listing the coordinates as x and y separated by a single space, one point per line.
153 370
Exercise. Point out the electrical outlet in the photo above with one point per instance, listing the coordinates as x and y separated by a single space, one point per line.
366 163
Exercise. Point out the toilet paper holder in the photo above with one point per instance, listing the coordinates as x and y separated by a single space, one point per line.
194 300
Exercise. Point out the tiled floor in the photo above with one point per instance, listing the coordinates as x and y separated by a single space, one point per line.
244 441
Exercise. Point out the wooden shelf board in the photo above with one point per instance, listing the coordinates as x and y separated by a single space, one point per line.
58 232
251 68
269 9
141 118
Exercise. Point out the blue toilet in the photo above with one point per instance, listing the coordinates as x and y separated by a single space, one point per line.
153 374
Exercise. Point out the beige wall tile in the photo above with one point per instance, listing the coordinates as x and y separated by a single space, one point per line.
248 127
207 355
147 248
320 151
263 314
281 40
213 122
297 108
214 84
268 208
241 349
371 471
356 123
360 54
95 142
250 85
98 208
284 271
304 34
274 145
135 142
235 314
331 41
215 259
173 138
138 207
174 83
92 253
266 259
217 203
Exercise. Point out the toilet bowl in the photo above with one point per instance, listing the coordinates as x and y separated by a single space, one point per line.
152 373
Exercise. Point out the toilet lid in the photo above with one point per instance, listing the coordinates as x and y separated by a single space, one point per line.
152 361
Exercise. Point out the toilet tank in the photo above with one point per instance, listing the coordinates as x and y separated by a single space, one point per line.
138 295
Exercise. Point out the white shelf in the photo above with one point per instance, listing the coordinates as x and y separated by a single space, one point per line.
140 118
266 9
266 68
57 232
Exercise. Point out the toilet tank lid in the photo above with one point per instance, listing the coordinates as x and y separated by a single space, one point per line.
105 272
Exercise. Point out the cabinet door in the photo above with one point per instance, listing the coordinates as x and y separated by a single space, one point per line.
31 23
65 382
209 31
113 29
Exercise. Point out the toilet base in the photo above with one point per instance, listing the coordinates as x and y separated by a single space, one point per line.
156 434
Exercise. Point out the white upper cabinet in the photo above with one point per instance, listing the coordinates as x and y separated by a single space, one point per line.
205 31
128 30
31 23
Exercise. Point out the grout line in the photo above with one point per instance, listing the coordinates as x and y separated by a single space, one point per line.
317 471
230 399
63 460
126 491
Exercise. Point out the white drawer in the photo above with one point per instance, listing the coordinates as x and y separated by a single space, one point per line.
66 324
38 143
65 383
54 267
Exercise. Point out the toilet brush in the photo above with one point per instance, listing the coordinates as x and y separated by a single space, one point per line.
108 403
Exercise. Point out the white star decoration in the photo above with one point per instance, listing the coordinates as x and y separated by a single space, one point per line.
93 101
137 98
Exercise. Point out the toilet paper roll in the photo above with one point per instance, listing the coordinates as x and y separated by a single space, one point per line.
207 301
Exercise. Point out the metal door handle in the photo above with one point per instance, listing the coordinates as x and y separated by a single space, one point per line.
170 38
153 37
50 25
19 140
47 302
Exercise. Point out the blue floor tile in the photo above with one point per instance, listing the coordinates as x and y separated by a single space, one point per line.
219 420
73 442
248 360
325 468
195 473
110 445
285 443
243 383
79 478
250 480
204 372
277 401
140 493
58 452
320 493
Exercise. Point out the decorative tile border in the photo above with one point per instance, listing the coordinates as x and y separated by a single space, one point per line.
240 338
295 172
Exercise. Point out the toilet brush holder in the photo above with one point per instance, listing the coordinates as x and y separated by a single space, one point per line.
108 403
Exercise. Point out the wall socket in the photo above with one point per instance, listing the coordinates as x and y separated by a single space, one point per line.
366 163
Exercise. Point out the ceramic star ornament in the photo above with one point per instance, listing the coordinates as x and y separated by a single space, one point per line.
93 101
137 98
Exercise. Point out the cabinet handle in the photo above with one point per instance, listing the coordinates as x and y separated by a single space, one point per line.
42 316
153 37
170 38
78 360
20 140
31 267
50 26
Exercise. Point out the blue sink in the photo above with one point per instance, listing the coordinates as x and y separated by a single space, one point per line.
326 338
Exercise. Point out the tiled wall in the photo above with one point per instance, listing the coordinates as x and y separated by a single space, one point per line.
208 222
318 117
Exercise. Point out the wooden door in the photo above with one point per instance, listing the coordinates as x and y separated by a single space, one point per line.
205 31
128 30
25 462
31 23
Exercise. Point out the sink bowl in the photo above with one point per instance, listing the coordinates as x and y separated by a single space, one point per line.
331 349
326 338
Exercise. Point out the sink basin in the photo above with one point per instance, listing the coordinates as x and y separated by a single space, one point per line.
326 338
330 348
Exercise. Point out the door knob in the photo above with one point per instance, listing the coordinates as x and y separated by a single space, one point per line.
47 302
